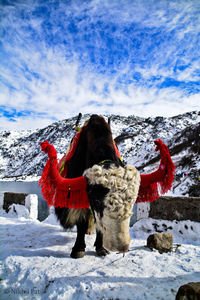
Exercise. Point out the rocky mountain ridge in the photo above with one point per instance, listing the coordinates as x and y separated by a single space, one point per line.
21 157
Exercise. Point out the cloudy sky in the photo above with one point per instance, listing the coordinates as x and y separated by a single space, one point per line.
127 57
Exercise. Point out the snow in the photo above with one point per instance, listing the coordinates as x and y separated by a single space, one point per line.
36 263
22 178
31 203
17 210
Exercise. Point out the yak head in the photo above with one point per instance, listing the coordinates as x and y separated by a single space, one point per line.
112 192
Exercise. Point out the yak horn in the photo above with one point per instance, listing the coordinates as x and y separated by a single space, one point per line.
77 122
78 119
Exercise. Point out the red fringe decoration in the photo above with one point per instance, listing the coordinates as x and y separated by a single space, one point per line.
160 180
59 191
72 192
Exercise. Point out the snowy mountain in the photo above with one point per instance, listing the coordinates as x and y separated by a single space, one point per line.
21 157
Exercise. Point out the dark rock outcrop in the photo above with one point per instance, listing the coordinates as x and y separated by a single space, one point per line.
189 291
163 242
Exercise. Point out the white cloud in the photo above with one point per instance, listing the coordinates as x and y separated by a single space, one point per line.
60 95
46 80
24 123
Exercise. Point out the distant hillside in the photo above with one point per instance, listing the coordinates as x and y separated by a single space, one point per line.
20 154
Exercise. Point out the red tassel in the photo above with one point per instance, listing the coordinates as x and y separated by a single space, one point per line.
49 149
160 180
59 191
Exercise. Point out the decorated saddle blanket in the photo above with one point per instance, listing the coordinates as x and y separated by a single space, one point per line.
60 191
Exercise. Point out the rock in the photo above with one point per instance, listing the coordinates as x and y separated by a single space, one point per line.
163 242
189 291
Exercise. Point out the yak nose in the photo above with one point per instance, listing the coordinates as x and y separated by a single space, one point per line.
119 248
124 248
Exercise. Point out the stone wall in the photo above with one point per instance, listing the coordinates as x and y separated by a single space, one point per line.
171 208
166 208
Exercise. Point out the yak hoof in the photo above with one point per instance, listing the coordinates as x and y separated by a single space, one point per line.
77 254
102 252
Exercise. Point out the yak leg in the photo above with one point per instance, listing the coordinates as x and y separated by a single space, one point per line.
100 250
91 225
78 250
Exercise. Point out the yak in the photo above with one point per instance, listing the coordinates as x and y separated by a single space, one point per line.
112 189
97 187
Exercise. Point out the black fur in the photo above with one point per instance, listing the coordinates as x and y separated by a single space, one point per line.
96 195
63 213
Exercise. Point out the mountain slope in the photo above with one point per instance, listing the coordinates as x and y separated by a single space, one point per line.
20 154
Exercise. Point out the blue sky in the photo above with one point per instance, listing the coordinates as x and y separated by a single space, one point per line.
127 57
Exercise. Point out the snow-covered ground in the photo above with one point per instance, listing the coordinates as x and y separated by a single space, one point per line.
36 263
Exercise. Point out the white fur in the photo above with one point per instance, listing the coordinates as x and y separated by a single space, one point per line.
123 184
